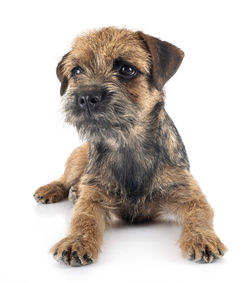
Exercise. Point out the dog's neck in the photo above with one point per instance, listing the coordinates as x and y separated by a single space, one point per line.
150 130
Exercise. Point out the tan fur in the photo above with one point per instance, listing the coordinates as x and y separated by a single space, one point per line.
87 227
93 188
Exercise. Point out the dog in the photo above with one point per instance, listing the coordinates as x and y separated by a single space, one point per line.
134 164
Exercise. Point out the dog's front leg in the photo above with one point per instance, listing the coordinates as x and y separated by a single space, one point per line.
83 243
59 189
198 240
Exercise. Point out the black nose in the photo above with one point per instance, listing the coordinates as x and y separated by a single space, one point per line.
89 100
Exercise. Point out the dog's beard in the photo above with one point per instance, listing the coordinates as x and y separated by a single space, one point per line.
113 120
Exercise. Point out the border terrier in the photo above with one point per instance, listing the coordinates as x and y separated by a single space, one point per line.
134 165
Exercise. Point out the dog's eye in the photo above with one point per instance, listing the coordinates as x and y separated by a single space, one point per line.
76 71
128 71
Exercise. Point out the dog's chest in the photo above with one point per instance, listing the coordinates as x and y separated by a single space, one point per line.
132 170
127 171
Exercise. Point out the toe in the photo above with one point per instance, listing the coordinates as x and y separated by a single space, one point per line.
87 259
75 260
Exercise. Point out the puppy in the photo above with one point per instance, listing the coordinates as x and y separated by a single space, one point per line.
134 164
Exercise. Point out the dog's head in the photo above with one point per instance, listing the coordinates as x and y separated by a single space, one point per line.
112 80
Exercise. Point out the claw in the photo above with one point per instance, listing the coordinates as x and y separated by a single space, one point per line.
87 259
64 253
192 256
220 252
75 261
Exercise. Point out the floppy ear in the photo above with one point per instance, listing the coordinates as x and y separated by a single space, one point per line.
59 72
166 59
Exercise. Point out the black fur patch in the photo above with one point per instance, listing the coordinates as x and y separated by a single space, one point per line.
131 174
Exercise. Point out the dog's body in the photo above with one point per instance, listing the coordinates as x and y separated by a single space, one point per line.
134 164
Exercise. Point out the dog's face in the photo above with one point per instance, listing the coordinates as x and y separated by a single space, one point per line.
112 80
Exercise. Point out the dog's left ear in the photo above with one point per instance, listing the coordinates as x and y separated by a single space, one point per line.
166 59
60 74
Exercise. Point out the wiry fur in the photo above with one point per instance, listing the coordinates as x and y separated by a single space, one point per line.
135 164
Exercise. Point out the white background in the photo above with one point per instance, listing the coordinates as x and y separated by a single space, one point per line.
208 100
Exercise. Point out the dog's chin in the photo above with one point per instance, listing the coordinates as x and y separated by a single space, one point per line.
96 128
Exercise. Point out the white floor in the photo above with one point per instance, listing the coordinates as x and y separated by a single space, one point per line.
141 253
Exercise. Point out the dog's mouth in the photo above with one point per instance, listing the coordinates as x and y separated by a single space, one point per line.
99 113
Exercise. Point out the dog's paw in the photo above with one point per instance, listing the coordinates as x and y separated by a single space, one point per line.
50 193
73 194
202 247
74 251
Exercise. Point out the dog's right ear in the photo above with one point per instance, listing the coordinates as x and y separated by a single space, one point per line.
60 74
